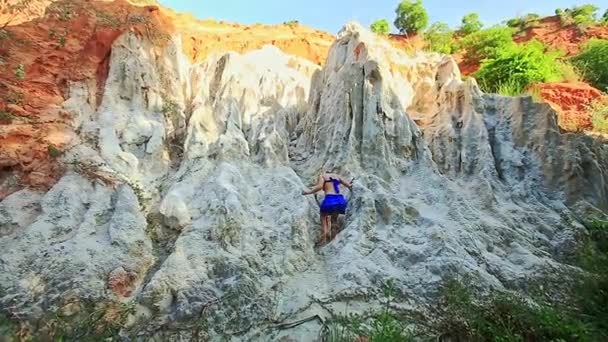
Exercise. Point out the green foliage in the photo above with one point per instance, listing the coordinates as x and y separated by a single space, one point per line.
486 43
383 326
605 17
291 22
439 38
467 316
53 151
380 26
411 17
582 15
599 118
61 41
20 72
170 108
518 66
559 11
592 60
522 23
8 328
470 24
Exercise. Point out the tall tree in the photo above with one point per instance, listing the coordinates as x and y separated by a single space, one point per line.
411 17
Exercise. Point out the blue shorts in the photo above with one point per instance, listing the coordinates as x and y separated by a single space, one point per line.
333 204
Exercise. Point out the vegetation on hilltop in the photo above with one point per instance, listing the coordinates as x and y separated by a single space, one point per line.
507 58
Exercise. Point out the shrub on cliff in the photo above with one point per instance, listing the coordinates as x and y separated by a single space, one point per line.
470 24
380 26
519 66
525 22
581 15
411 17
593 61
486 43
599 115
439 37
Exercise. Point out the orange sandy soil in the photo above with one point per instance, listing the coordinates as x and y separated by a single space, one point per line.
556 36
33 128
570 100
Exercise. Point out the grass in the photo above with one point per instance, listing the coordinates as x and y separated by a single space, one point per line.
170 108
599 114
383 326
509 88
535 94
61 41
107 19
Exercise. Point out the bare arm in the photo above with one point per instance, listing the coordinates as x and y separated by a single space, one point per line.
318 187
345 183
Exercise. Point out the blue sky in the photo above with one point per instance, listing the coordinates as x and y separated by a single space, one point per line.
330 15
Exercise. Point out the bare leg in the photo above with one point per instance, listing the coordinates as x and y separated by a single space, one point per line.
336 226
324 228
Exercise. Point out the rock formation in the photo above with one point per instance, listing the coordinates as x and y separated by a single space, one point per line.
183 190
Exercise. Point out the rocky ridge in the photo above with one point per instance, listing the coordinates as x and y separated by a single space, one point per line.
182 194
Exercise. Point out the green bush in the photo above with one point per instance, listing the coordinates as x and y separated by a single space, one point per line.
486 43
605 17
439 37
383 327
582 15
519 66
411 17
380 26
593 62
466 316
522 23
20 72
470 24
599 117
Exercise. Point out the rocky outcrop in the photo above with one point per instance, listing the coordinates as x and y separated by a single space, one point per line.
183 190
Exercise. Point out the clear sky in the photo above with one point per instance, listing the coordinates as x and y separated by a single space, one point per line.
330 15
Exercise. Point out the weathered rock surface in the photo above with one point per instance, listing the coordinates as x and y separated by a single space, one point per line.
184 190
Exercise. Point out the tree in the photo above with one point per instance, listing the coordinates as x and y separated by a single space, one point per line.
411 17
439 38
470 24
605 17
380 26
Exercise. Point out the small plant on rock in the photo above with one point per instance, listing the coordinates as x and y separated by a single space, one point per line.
6 117
61 41
53 151
20 72
599 114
